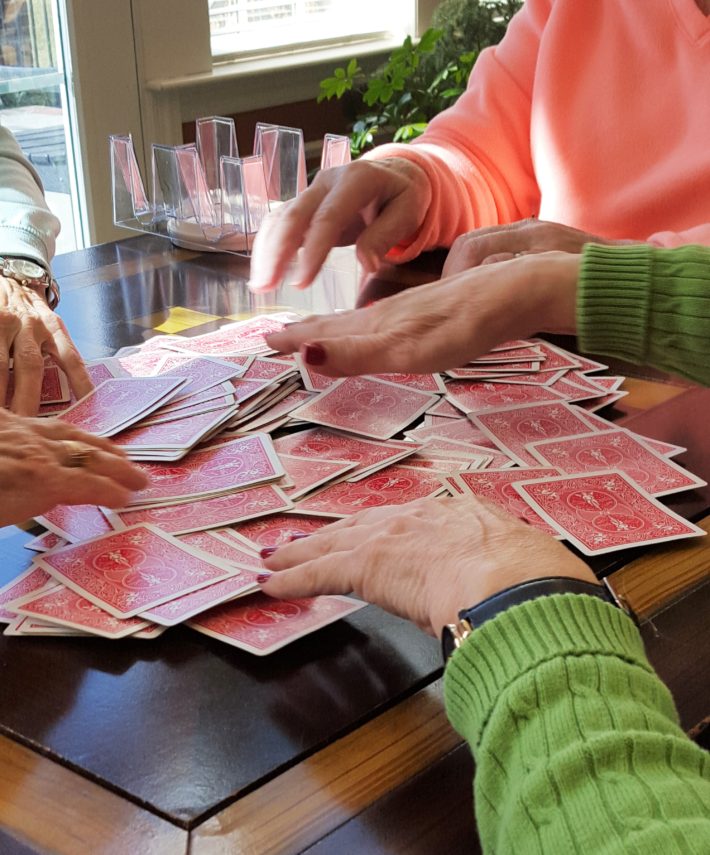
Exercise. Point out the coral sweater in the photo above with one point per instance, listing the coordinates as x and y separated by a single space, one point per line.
592 113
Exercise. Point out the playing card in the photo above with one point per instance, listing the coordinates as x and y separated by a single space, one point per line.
460 429
323 444
512 428
163 415
229 467
602 402
30 580
180 609
372 408
202 514
75 522
238 338
312 380
127 572
274 531
422 382
616 449
608 384
604 512
199 373
120 402
45 542
539 378
307 473
487 370
481 396
586 364
443 409
24 625
395 485
223 545
54 390
496 486
262 625
65 607
173 439
556 357
520 354
281 409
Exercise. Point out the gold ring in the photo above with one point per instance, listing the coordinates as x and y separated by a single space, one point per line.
78 454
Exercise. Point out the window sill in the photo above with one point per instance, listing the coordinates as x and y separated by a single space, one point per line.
273 63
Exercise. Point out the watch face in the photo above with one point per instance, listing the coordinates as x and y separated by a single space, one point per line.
24 268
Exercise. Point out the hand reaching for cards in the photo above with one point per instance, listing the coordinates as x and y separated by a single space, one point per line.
44 463
424 561
374 204
525 237
29 329
444 324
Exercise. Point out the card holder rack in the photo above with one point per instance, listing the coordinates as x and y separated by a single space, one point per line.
204 195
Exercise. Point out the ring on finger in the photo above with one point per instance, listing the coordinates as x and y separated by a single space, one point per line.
77 455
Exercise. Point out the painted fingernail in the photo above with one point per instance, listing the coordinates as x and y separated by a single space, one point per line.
267 551
263 577
314 354
298 535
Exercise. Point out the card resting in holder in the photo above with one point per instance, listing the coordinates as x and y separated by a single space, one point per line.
204 195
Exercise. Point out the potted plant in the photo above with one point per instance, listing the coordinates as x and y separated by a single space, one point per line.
420 78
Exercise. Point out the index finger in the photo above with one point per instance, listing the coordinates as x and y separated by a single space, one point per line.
279 238
28 369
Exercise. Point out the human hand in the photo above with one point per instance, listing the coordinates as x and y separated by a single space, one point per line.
37 471
29 329
501 243
444 324
374 204
424 561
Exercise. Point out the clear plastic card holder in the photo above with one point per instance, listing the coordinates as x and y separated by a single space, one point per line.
204 196
130 203
245 201
181 198
336 151
284 156
216 138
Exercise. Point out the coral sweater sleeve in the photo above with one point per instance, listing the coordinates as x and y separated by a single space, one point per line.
552 124
477 153
576 740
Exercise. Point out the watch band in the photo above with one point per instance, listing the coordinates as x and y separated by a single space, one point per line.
453 635
46 280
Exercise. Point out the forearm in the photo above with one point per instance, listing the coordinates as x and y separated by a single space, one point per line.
575 738
27 228
647 305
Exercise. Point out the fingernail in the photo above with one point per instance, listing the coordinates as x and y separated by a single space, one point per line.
267 551
314 354
263 577
298 535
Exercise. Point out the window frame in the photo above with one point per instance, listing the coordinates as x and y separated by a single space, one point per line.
133 75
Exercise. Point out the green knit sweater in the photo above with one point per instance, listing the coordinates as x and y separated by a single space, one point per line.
575 738
647 305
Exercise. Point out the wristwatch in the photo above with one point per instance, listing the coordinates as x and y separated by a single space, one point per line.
31 275
453 635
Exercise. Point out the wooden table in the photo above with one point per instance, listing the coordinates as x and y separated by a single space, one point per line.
338 743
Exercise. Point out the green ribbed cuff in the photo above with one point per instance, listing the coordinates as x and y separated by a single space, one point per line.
613 300
523 637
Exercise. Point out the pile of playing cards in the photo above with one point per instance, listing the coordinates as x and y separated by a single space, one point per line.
517 426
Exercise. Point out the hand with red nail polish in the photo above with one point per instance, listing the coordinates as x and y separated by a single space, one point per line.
386 556
442 325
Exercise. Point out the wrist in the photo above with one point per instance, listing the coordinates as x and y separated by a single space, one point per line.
554 280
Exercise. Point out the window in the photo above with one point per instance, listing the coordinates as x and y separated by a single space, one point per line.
33 105
251 26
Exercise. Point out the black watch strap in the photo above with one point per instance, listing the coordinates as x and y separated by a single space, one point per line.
471 618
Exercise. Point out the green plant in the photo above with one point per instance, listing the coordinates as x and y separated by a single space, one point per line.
420 79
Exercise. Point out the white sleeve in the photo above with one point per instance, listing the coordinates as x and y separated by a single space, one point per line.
27 228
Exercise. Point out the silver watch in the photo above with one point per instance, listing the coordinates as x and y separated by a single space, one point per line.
31 275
